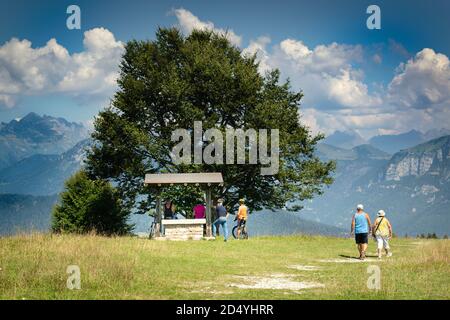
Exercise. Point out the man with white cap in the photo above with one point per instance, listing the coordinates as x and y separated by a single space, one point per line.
361 228
382 231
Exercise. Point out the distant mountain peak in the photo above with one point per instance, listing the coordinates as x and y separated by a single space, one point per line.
393 143
363 151
370 152
432 145
350 133
436 133
36 128
32 116
35 134
344 139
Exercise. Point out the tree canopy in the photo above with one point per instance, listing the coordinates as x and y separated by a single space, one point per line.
174 80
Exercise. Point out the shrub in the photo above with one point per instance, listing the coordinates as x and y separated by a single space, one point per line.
88 205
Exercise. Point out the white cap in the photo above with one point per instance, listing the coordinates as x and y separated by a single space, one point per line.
381 213
360 207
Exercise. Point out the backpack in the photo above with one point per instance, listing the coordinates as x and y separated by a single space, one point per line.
378 225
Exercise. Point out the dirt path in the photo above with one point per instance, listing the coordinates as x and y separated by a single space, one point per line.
278 281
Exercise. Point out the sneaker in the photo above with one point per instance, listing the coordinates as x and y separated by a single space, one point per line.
389 254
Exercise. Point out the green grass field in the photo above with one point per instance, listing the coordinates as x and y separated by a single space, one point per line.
34 267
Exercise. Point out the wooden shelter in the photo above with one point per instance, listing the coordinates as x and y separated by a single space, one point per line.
206 180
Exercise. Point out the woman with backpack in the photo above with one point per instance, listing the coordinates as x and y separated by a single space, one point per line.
382 231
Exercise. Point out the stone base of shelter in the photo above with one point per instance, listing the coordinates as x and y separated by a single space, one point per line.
183 229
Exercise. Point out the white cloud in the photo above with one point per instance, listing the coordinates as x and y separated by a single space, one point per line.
259 47
366 124
348 91
329 59
380 122
326 73
7 100
319 122
377 58
188 22
295 49
422 82
25 70
398 48
337 97
336 94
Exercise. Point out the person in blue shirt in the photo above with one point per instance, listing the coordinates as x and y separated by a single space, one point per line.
361 227
222 215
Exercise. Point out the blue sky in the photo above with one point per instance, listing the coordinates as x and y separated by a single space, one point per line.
353 78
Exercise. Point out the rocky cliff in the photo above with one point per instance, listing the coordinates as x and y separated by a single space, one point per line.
431 158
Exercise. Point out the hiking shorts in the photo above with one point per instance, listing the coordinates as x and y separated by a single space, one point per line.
361 238
382 242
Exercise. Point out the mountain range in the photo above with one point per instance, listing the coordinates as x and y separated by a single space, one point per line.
33 134
42 174
38 153
344 139
390 143
412 186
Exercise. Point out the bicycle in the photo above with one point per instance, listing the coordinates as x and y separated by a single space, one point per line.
243 234
152 232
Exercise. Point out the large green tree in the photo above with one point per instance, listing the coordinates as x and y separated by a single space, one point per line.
175 80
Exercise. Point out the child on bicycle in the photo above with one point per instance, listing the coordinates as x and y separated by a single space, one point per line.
241 216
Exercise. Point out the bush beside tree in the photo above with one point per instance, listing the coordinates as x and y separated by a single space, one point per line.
88 205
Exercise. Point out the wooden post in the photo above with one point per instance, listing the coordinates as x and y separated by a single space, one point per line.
158 214
208 212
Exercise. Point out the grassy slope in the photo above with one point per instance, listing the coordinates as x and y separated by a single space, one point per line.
34 266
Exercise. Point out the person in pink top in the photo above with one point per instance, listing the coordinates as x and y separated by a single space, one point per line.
199 211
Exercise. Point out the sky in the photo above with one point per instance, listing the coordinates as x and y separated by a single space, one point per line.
384 81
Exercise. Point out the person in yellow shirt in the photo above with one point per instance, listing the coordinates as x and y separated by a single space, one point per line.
241 216
382 231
